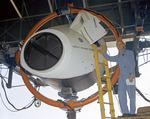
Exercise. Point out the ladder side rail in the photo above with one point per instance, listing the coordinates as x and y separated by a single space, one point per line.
109 86
99 82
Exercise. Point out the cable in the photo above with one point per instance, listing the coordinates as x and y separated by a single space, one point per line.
3 78
25 107
6 71
17 86
141 94
5 105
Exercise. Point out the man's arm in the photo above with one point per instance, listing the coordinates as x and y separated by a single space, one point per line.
131 64
111 58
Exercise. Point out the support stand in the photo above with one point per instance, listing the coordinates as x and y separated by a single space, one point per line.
71 114
10 77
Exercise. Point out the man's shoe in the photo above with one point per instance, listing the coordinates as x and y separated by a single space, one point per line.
132 115
127 115
124 115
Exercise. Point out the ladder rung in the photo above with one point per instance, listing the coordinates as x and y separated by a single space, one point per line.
106 90
99 52
108 117
102 64
105 77
108 103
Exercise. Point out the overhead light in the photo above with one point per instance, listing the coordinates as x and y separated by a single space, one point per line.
12 2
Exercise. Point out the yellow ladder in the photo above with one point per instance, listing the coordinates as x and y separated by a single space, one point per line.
99 82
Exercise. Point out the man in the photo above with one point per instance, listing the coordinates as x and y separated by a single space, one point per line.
126 80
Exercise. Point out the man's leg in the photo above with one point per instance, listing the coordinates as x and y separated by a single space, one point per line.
123 98
131 92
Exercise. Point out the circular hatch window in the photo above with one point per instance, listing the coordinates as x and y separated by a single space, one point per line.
43 51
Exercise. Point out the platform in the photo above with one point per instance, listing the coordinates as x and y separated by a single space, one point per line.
142 113
136 117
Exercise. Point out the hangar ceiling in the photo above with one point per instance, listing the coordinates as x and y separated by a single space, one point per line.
15 25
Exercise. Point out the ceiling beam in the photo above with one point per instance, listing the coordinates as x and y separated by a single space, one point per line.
32 16
6 32
121 16
25 8
50 6
12 2
102 5
84 3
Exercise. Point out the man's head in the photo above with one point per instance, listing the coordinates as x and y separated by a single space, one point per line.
120 45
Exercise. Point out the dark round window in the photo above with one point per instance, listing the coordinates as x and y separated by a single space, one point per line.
43 51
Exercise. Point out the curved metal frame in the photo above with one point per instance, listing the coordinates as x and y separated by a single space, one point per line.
70 103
